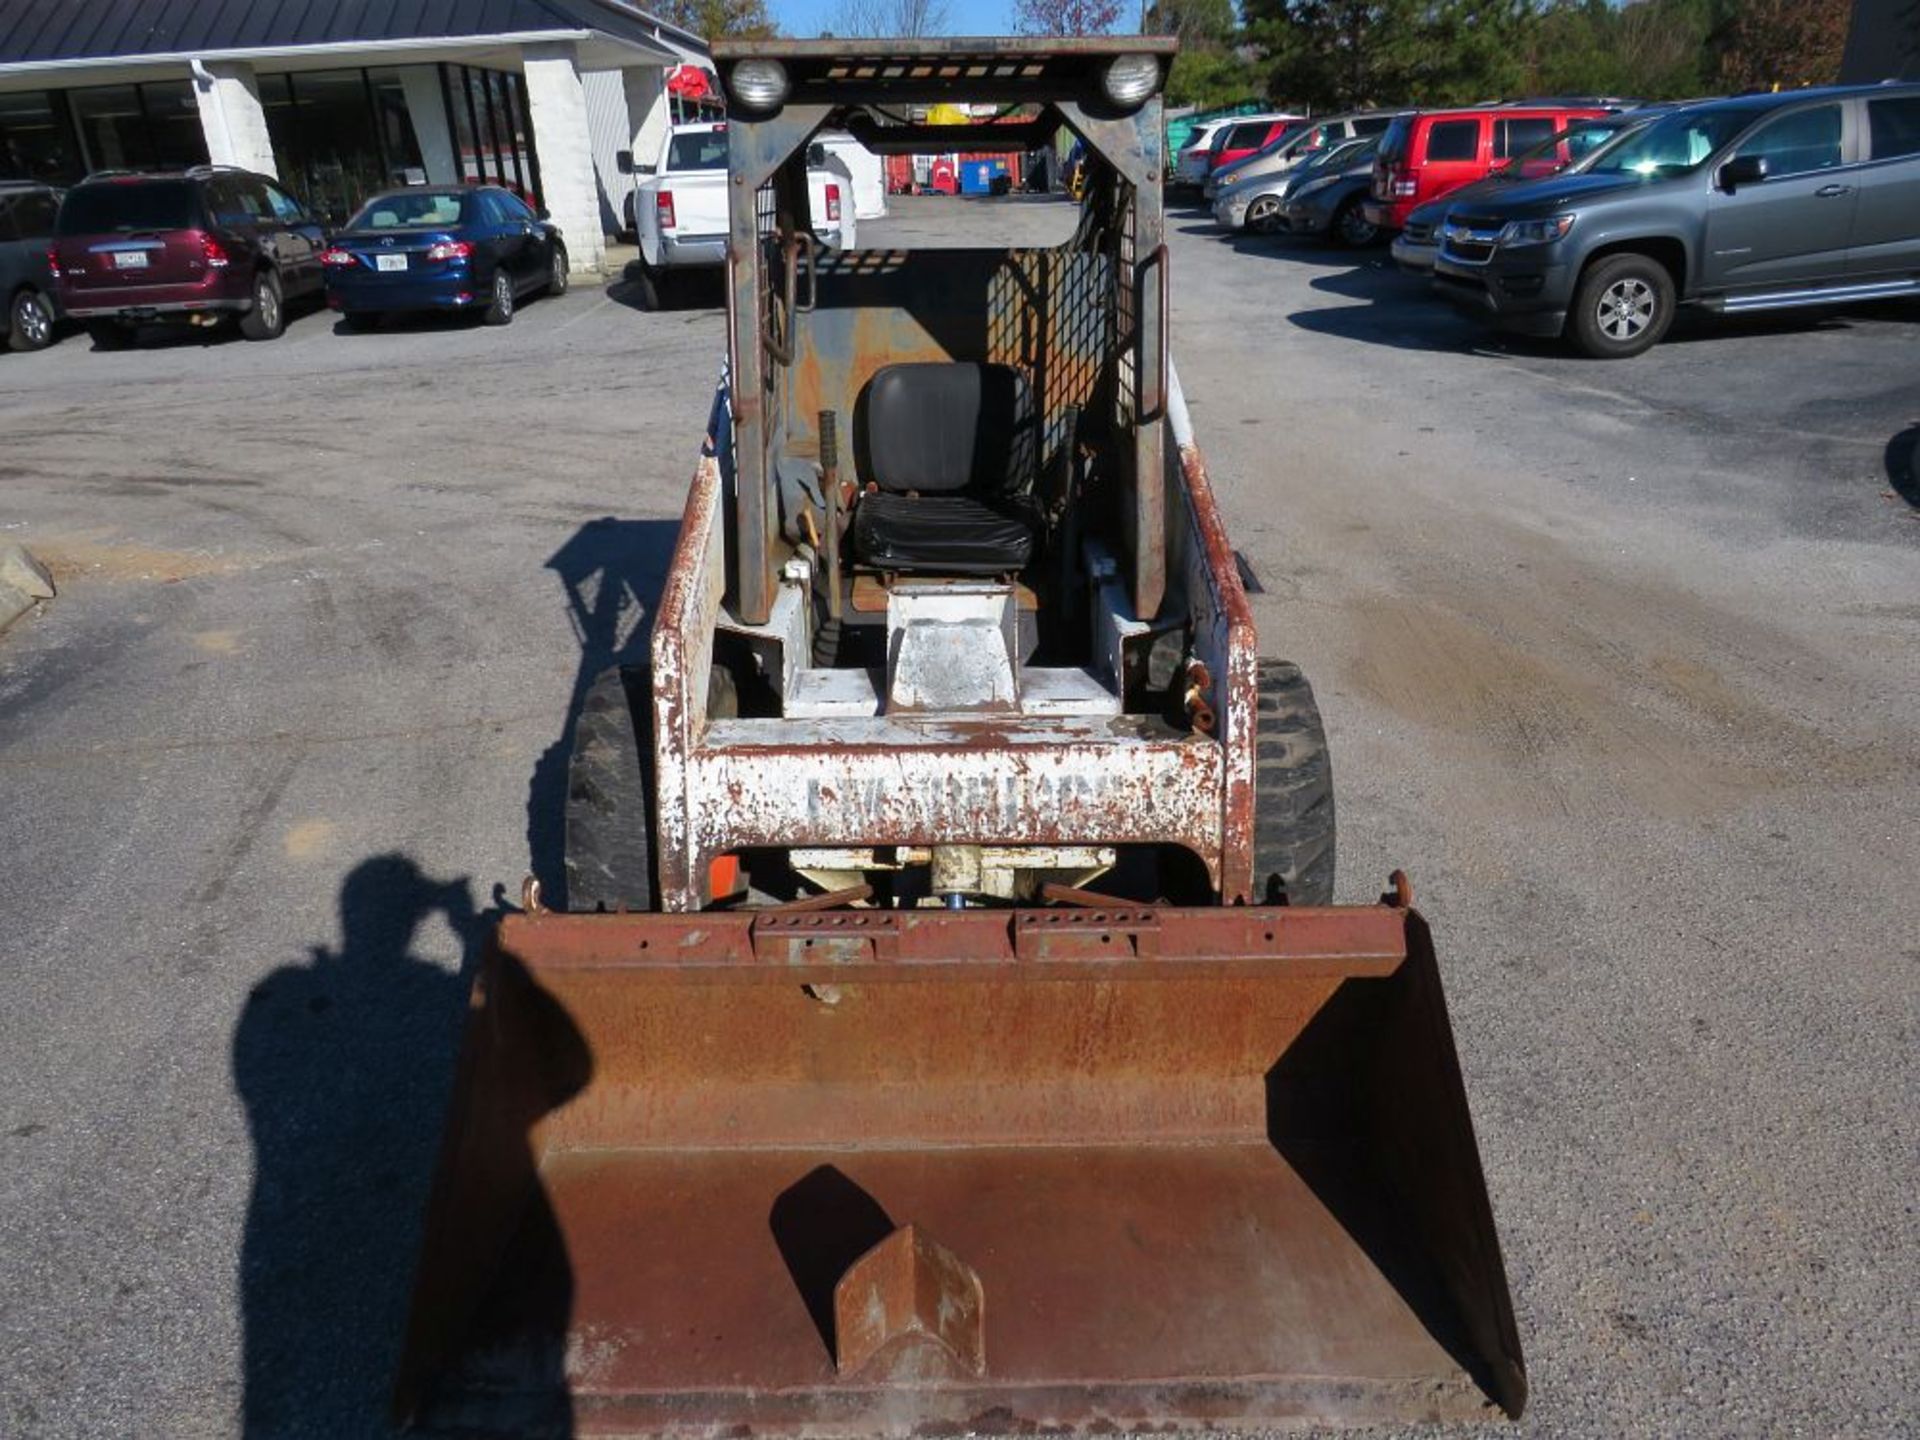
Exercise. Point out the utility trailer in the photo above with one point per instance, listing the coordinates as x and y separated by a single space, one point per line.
949 1026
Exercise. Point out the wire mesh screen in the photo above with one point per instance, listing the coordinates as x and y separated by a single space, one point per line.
1049 315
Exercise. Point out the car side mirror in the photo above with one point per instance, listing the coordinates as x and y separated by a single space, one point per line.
623 161
1743 170
543 213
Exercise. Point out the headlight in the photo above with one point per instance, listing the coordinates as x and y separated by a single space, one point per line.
1535 232
1226 180
759 84
1129 79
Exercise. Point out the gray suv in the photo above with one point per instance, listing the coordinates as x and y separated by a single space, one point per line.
1758 203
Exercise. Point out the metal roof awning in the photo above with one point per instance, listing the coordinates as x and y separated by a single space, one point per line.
65 43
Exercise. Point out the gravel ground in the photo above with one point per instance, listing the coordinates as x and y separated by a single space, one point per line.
1618 660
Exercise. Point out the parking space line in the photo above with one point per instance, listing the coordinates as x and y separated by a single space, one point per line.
605 301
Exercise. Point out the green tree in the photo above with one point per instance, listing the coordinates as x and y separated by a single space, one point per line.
712 19
1784 42
1065 17
1366 52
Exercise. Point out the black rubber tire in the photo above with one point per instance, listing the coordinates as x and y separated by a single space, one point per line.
609 832
29 321
655 288
1350 229
557 275
359 322
499 309
1293 826
1598 287
267 320
1266 216
109 334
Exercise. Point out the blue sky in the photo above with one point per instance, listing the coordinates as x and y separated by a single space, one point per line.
964 17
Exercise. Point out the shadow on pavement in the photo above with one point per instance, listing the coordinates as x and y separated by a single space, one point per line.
613 572
1903 465
344 1062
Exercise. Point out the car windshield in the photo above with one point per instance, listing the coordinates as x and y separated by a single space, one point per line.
1351 152
698 150
404 210
1672 145
117 206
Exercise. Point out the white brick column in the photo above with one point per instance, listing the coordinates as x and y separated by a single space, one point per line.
427 109
557 106
646 87
232 118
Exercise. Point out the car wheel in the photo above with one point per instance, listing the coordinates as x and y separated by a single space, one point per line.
1263 215
1352 228
1623 306
499 310
109 334
31 320
557 272
268 317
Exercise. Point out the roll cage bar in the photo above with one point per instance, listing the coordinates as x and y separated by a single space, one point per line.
779 277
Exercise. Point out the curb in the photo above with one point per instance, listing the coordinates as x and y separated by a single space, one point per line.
24 583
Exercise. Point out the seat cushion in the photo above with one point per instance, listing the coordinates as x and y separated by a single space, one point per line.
941 535
946 427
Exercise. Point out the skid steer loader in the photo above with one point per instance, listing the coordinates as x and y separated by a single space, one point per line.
949 1027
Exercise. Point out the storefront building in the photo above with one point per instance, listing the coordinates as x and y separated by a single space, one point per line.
410 92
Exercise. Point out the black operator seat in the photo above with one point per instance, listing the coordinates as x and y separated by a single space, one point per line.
951 448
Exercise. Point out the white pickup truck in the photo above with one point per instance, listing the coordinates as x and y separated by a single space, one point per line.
680 206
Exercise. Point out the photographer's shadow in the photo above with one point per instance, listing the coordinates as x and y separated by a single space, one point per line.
345 1064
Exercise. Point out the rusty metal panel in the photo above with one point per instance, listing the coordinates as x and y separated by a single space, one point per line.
693 1187
888 780
1224 639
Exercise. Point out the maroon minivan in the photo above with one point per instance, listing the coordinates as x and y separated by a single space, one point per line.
196 247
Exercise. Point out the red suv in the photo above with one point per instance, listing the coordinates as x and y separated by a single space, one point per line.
1424 155
195 247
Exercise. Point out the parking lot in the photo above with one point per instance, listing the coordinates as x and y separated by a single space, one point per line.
1618 661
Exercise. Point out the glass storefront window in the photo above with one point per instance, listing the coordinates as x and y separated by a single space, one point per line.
36 139
339 135
153 126
398 143
490 129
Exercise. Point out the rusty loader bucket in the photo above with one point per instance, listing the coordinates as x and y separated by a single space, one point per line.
870 1172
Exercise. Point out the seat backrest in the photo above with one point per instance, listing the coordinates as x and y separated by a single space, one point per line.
945 427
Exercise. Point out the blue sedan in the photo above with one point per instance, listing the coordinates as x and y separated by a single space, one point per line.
469 247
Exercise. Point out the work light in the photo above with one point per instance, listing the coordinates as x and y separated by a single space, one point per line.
759 84
1129 79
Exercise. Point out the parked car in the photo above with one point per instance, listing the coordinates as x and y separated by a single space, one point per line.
1431 153
1247 134
1298 145
1808 197
1418 243
1259 204
475 248
680 206
200 247
1191 165
27 211
1328 199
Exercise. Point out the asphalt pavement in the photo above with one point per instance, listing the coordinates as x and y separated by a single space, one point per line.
1620 661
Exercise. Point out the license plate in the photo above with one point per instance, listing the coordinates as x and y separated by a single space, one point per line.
129 259
389 262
